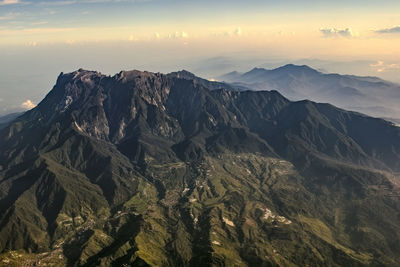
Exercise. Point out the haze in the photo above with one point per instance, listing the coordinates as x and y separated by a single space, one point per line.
40 39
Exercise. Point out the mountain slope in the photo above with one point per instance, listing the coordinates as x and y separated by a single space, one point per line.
153 169
5 120
369 95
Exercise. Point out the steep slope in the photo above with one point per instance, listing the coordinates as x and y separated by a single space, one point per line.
6 119
153 169
369 95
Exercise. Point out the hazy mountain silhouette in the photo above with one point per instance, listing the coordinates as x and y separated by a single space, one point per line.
369 95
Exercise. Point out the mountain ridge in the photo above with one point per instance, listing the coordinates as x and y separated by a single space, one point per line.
151 169
370 95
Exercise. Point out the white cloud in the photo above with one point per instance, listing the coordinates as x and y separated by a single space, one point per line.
32 44
381 66
178 35
333 32
70 42
238 31
28 104
9 2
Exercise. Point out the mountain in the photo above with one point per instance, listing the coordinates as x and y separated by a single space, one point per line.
145 169
212 85
369 95
6 119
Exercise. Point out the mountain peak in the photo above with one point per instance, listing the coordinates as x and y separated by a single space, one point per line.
79 74
288 69
133 74
183 74
294 68
257 70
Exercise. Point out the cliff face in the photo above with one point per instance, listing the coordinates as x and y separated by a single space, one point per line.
175 170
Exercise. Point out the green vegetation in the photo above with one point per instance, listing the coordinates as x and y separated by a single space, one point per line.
150 169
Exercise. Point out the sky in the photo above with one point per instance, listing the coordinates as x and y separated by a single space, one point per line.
40 39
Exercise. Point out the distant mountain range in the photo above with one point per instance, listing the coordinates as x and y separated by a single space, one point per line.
368 95
148 169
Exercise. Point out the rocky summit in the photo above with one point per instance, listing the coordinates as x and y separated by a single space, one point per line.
147 169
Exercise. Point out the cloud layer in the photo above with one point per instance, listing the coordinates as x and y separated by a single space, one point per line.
8 2
395 29
333 32
72 2
382 66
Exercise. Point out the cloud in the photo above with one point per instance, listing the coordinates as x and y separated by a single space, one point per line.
13 2
28 104
70 42
395 29
72 2
1 99
8 16
333 32
8 2
184 35
37 30
32 44
381 66
178 35
58 3
238 31
39 23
